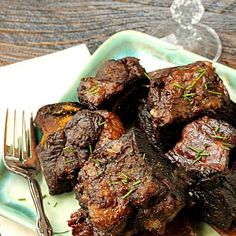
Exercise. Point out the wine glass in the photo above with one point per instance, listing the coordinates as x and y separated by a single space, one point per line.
185 31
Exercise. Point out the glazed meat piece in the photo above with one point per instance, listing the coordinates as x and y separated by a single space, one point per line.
117 87
126 188
204 147
65 151
215 198
179 95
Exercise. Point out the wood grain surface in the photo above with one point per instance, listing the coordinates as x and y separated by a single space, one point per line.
30 28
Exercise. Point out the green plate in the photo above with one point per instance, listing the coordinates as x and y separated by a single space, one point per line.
153 54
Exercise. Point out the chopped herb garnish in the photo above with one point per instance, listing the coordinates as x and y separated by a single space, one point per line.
227 146
63 232
90 149
94 89
206 85
201 73
198 154
144 156
128 193
147 75
188 96
55 204
49 203
137 182
214 92
217 129
96 162
21 199
68 149
101 123
124 176
44 196
218 137
69 161
178 85
124 181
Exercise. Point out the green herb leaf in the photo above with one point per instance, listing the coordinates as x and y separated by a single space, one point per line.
202 72
69 161
144 156
188 96
128 193
214 92
63 232
21 199
137 182
90 149
178 85
218 137
68 149
147 75
101 123
95 89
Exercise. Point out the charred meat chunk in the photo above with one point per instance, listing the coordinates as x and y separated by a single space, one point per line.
53 117
215 197
63 152
127 187
117 87
179 95
204 146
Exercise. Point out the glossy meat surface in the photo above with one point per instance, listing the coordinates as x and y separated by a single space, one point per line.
204 146
180 95
215 198
127 187
66 150
117 87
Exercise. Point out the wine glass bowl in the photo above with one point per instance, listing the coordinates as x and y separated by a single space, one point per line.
184 30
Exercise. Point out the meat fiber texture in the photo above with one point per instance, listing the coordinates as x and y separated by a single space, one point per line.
117 87
64 151
180 95
127 188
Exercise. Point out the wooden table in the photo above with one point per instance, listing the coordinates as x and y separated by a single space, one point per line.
30 28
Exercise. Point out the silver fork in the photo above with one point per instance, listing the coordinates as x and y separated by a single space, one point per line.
21 158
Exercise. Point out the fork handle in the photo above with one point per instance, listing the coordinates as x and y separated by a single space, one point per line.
43 226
